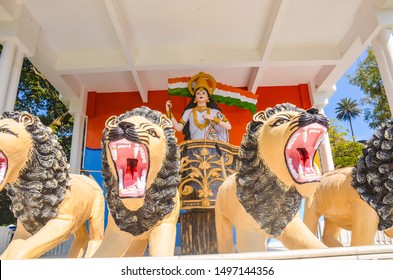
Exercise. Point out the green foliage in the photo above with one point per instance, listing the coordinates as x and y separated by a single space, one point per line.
38 97
336 132
368 78
346 153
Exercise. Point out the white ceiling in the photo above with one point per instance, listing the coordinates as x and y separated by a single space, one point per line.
131 45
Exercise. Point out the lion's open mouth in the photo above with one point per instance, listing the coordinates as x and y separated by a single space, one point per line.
300 152
3 166
132 163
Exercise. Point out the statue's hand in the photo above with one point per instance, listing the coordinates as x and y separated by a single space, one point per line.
207 117
168 105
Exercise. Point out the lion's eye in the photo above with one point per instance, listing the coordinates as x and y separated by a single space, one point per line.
280 122
153 133
6 130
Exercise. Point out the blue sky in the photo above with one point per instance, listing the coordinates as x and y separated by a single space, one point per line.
345 89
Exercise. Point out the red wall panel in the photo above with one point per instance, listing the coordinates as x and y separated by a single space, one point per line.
101 106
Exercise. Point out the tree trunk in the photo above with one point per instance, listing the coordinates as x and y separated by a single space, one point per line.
353 135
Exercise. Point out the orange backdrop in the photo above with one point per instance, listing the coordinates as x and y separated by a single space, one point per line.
100 106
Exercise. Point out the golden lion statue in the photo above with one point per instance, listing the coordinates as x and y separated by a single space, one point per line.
140 166
358 199
48 202
276 168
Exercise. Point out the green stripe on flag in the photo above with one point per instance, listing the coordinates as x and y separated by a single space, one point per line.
235 102
218 98
180 92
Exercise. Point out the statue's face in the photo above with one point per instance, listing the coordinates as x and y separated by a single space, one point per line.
201 95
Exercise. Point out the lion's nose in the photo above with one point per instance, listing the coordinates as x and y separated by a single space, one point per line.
313 111
125 126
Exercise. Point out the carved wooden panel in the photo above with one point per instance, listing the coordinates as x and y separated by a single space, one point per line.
198 232
204 166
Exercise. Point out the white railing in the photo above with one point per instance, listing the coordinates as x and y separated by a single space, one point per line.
379 252
345 236
276 251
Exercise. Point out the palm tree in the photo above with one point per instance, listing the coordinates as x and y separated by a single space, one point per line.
346 110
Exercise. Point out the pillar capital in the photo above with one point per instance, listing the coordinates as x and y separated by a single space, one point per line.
320 98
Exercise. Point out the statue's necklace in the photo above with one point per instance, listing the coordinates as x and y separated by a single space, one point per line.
201 126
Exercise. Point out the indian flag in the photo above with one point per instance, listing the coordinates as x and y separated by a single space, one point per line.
224 94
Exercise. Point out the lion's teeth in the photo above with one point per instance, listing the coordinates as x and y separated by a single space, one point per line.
114 153
300 170
141 182
304 134
143 175
316 169
143 156
120 174
136 150
292 141
124 146
2 174
319 141
293 171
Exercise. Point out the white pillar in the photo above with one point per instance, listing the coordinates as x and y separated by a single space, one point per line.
14 82
6 62
77 142
325 152
320 100
387 45
383 51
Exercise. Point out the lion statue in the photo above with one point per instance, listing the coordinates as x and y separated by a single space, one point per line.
49 203
276 168
140 166
358 199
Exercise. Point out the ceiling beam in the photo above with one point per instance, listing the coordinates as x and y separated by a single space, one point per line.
19 27
270 34
365 27
91 62
304 56
119 25
180 58
44 59
98 62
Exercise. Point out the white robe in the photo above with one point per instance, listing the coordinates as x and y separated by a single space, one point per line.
211 131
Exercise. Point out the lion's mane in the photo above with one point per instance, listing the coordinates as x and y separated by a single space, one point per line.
260 192
372 176
159 198
42 181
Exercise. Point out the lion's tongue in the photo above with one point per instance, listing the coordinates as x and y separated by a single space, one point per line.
300 152
305 162
131 171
